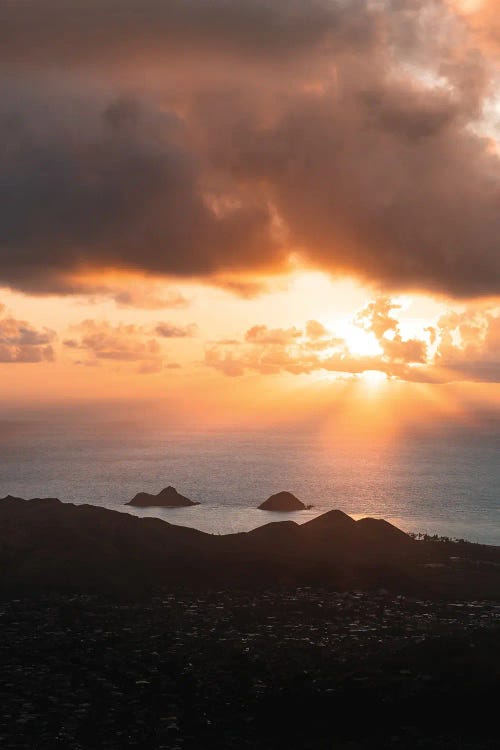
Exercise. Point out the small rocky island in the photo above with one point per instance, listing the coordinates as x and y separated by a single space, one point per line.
167 498
283 502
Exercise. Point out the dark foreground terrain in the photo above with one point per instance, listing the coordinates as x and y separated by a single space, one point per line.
47 545
118 632
298 668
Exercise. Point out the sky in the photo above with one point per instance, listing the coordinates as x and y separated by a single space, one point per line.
243 212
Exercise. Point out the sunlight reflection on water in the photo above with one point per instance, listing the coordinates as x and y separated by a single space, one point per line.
421 484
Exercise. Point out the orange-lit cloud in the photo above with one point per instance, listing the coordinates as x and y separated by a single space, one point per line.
146 298
483 19
465 347
121 343
21 342
171 331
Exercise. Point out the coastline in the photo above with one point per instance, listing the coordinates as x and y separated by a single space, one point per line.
418 486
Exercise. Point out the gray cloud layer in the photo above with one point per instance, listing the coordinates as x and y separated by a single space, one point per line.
69 31
196 139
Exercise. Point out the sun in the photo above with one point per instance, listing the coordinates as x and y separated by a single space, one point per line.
374 378
359 342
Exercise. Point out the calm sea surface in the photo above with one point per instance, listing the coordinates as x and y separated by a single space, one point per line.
432 483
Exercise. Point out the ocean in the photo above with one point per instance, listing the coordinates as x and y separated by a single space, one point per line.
446 484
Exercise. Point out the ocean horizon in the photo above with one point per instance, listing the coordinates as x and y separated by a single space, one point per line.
421 483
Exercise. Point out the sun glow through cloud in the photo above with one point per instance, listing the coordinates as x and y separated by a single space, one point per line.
374 377
358 341
304 207
183 338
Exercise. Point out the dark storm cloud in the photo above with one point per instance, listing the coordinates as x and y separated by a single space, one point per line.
35 32
116 189
348 133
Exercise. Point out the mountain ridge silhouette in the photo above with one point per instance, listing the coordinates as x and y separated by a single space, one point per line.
45 544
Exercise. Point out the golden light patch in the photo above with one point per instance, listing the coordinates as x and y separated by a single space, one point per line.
374 378
469 6
359 342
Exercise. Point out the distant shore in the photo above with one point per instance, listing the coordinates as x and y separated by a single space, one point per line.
416 485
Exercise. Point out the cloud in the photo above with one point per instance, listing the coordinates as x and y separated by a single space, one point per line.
125 344
264 335
146 298
171 331
483 20
242 287
133 292
89 192
469 345
462 347
120 343
64 31
206 140
225 362
376 317
273 359
21 342
316 330
315 348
